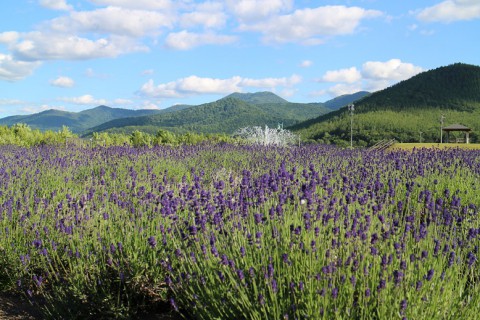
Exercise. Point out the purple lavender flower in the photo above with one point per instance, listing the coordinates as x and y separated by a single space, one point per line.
152 242
261 299
335 293
240 274
397 277
419 285
429 275
403 306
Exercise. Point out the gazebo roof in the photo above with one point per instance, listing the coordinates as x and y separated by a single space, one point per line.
456 127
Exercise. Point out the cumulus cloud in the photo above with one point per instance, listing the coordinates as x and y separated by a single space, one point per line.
185 40
349 75
149 105
253 10
311 26
451 10
63 82
137 4
43 107
14 70
208 15
86 99
392 70
195 85
373 76
9 37
56 4
112 20
38 46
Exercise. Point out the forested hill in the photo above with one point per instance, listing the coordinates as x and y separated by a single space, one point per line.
455 87
406 110
222 116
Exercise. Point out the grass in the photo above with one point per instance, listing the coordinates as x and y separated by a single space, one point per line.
410 146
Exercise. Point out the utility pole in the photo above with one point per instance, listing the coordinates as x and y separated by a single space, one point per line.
351 108
442 119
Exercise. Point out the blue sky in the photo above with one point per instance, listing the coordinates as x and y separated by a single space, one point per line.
77 54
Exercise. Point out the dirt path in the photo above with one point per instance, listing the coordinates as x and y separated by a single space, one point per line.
15 308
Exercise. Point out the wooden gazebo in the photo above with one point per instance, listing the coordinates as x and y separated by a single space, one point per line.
458 127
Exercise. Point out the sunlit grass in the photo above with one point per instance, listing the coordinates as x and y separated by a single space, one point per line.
410 146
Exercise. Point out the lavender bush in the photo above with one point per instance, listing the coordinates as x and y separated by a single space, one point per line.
244 232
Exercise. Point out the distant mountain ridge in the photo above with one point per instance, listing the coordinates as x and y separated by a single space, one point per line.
222 116
76 121
343 100
258 97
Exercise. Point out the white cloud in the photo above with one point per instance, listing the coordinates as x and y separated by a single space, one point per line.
306 63
207 14
338 90
194 85
311 26
137 4
86 99
253 10
451 10
38 46
271 82
373 76
44 107
349 75
14 70
9 37
185 40
113 20
392 70
63 82
56 4
149 105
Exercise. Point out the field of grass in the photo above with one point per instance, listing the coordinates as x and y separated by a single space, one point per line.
241 232
410 146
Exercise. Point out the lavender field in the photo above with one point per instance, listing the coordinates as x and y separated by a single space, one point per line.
242 232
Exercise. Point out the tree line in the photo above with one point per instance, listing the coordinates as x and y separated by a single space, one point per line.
23 135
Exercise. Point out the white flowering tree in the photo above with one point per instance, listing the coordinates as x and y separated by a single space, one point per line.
267 136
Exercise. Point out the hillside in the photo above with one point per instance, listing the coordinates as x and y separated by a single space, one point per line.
76 121
222 116
406 109
343 100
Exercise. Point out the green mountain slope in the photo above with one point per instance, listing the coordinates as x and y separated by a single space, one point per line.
76 121
223 116
265 97
406 110
343 100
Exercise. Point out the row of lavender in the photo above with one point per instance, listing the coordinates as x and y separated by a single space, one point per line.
224 232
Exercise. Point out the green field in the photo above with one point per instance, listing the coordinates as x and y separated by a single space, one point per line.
410 146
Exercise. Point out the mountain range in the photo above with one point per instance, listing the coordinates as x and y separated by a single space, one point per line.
222 116
408 111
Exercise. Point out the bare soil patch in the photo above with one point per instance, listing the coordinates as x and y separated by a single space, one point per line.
15 307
